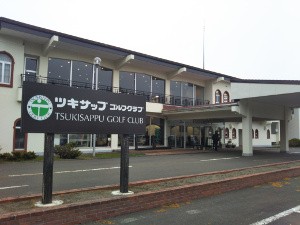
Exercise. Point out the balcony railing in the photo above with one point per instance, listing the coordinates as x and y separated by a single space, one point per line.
150 96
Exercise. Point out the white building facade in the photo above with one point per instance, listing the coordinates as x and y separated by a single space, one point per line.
185 104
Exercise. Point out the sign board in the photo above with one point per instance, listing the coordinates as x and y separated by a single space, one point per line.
48 108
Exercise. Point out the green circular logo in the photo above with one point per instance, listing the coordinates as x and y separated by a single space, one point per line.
39 107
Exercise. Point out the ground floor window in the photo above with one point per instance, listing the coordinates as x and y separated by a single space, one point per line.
83 140
268 134
226 134
233 133
20 138
103 140
256 134
154 133
194 136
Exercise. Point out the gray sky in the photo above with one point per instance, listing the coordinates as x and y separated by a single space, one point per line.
253 39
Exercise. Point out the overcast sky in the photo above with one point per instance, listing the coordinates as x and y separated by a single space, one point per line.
252 39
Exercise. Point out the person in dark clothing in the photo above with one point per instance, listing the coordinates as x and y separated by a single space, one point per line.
215 139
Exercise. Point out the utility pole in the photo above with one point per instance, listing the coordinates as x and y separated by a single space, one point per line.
203 40
97 63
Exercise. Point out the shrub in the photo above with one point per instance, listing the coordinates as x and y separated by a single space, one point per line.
29 155
18 156
295 142
6 156
67 151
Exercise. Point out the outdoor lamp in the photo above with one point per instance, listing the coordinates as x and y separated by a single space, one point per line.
97 61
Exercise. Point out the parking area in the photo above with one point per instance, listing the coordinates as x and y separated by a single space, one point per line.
276 203
25 178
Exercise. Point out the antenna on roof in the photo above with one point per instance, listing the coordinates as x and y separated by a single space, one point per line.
203 43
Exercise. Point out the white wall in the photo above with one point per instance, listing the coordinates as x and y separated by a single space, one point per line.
258 90
10 109
222 86
262 131
294 125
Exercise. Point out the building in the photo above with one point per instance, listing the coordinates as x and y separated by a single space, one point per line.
184 105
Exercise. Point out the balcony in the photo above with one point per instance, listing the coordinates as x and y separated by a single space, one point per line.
150 96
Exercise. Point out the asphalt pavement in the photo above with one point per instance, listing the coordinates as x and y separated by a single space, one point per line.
276 203
25 178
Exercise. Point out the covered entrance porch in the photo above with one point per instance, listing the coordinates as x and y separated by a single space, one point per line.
194 133
245 109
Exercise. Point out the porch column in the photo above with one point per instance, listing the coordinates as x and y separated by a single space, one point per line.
115 137
167 91
114 141
284 137
247 133
116 79
184 135
166 133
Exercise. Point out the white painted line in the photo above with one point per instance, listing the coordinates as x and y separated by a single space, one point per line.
129 220
207 160
25 174
66 171
11 187
132 219
194 211
277 216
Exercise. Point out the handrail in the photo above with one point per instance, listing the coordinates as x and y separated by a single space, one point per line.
150 96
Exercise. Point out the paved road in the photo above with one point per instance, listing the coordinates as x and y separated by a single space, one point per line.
278 202
23 178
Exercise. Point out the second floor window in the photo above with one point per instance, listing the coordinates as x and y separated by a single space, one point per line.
141 84
217 97
77 74
31 66
186 94
6 69
226 97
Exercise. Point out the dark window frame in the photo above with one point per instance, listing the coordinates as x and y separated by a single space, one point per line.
14 136
226 133
233 133
256 134
228 99
37 65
